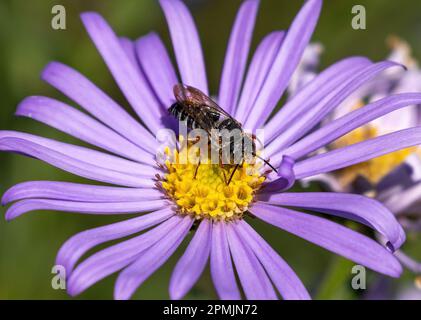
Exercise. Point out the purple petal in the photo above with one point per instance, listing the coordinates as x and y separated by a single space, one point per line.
75 247
401 201
306 70
76 123
408 262
24 206
351 121
116 257
254 280
191 264
259 68
283 179
222 270
186 43
87 163
358 152
134 87
77 192
313 93
331 236
156 64
289 56
128 47
134 275
91 98
351 206
236 55
281 274
312 117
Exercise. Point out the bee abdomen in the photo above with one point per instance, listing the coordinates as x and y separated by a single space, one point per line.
177 111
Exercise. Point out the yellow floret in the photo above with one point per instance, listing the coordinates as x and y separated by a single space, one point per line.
207 194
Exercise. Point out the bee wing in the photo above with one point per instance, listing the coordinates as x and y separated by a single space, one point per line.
197 99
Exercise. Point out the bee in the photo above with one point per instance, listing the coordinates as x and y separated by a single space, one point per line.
201 112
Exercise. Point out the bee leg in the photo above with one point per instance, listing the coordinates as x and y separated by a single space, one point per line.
232 174
225 177
197 169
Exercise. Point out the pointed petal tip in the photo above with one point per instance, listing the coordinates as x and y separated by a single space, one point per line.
12 213
51 68
6 197
152 35
120 290
20 109
72 289
75 285
175 294
24 107
90 15
396 269
250 3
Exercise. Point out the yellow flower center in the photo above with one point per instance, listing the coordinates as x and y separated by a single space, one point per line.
202 190
375 169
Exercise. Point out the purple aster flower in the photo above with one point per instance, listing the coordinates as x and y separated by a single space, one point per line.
174 200
394 179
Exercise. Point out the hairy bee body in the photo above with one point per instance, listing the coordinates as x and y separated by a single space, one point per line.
183 112
201 112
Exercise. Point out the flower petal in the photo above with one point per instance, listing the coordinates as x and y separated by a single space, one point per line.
281 274
222 270
254 280
236 55
24 206
97 158
128 46
77 192
408 262
351 206
402 200
283 179
81 161
289 56
134 87
358 152
313 93
107 261
91 98
310 119
349 122
191 264
331 236
186 43
256 75
76 123
157 65
75 247
148 262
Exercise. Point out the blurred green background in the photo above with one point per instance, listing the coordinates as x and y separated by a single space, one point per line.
29 244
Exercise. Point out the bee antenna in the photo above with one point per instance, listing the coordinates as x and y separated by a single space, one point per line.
265 161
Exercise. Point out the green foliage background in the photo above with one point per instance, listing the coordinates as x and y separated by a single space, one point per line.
29 244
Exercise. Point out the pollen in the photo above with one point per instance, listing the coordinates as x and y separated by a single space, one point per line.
202 191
